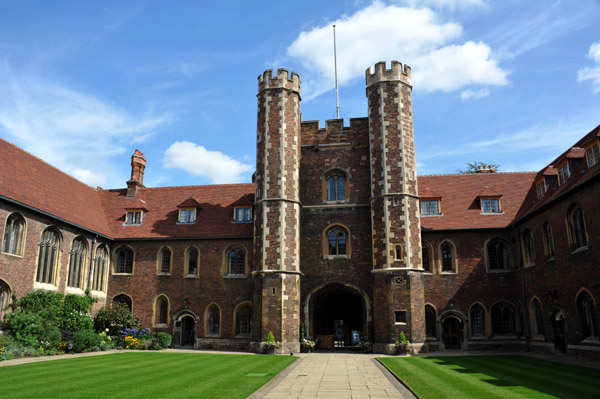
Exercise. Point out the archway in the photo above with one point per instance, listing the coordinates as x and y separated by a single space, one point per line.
559 330
188 328
333 304
452 332
4 299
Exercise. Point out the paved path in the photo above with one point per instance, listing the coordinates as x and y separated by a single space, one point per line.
334 375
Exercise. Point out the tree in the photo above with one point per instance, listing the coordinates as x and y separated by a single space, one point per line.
473 167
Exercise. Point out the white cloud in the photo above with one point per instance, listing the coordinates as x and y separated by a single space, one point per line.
198 161
592 73
66 127
448 4
386 32
476 95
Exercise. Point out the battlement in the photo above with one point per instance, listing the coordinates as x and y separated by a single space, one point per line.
281 81
398 72
335 132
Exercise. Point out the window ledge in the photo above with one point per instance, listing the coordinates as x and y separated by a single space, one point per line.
580 249
234 276
427 272
241 221
45 286
122 274
75 290
504 337
550 259
590 340
448 273
186 222
529 265
98 294
538 338
13 255
432 216
190 276
478 338
132 224
163 274
331 257
492 213
161 325
494 271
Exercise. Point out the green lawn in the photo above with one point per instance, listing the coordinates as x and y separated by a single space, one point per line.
143 375
493 377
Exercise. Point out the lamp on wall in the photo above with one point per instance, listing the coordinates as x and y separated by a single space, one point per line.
185 303
552 296
451 303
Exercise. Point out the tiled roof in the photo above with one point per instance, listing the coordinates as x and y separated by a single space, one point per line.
213 219
460 203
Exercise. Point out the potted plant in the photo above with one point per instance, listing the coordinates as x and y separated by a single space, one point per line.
401 344
365 346
308 345
271 344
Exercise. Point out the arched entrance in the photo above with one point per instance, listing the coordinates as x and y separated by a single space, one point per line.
452 332
332 304
184 330
559 329
4 299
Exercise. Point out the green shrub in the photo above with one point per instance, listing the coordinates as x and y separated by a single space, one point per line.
86 341
25 326
45 303
164 340
116 318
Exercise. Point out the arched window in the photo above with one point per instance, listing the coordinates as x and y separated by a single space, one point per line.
426 257
430 322
77 258
548 240
497 251
477 321
4 299
520 329
336 187
243 320
537 319
213 322
502 319
124 260
100 262
337 238
192 261
48 257
161 311
124 299
398 252
587 316
236 261
528 253
164 261
14 232
447 255
577 232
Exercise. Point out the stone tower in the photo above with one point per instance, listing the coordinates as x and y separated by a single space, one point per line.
395 215
277 211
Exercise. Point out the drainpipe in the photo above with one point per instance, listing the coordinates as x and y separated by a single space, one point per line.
90 276
524 293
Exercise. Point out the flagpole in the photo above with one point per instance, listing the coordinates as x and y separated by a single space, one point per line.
337 96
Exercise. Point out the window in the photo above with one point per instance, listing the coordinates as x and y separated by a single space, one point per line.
430 207
528 253
124 261
242 214
164 261
537 319
502 320
563 174
520 329
243 320
548 241
4 299
447 257
13 235
587 316
192 261
490 205
430 322
592 155
398 252
213 322
541 189
77 259
161 311
497 252
100 268
49 250
426 257
477 321
577 232
236 261
133 217
336 187
125 300
187 215
337 238
400 316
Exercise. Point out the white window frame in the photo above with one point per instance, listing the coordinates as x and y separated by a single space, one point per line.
489 210
563 174
541 189
242 214
592 155
187 216
427 210
134 217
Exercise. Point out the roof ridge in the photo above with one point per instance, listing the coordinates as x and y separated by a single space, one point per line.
480 174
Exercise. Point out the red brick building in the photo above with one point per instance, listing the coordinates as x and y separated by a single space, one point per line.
336 227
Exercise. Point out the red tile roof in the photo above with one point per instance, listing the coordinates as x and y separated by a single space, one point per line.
460 205
28 180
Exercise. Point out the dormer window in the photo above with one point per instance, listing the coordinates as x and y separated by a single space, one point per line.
541 189
490 205
563 174
592 155
187 215
242 214
430 207
134 217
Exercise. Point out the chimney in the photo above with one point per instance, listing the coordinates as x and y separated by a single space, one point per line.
138 164
485 169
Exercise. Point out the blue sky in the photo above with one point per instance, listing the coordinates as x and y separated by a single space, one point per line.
83 84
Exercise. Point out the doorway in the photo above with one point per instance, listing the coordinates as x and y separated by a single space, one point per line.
188 327
451 332
558 328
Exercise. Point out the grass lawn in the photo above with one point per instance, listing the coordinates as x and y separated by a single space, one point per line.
493 377
142 375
